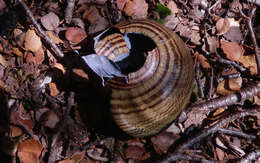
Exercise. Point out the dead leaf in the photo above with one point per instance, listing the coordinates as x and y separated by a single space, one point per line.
173 7
78 156
162 142
3 61
91 14
19 37
135 152
249 62
212 44
80 73
15 131
2 5
36 58
29 151
54 38
121 4
98 25
50 21
32 41
136 9
203 61
53 89
75 35
235 84
232 50
222 88
49 119
17 52
222 26
195 117
171 22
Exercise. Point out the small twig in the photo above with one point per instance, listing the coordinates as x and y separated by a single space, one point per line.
197 70
40 30
206 132
256 2
228 62
228 100
213 6
230 76
252 35
59 128
69 11
250 156
236 133
211 84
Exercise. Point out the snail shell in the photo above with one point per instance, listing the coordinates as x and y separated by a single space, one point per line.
155 94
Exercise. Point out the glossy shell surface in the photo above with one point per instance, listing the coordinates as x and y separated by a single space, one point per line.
155 94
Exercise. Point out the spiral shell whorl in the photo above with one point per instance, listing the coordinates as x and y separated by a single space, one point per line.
156 93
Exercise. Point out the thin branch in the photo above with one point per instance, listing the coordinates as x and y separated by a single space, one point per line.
206 132
59 128
69 11
250 156
198 81
252 35
236 133
40 30
228 100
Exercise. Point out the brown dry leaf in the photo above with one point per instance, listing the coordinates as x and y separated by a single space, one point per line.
249 62
212 44
3 61
195 117
162 142
222 26
54 38
98 25
135 152
203 61
173 7
121 4
223 89
232 50
80 73
32 41
17 52
50 21
60 67
78 156
19 36
235 84
136 9
29 151
97 154
171 21
53 89
15 131
36 58
220 154
91 14
2 5
75 35
49 119
66 161
22 117
2 84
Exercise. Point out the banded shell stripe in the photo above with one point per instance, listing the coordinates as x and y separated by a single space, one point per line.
112 46
163 97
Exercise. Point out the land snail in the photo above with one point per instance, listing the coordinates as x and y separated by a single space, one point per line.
149 71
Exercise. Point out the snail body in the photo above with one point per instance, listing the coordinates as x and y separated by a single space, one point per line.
155 94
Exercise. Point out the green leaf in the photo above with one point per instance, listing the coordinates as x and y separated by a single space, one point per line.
163 10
